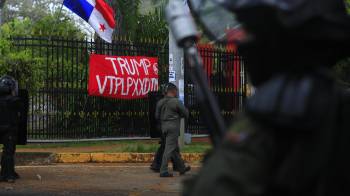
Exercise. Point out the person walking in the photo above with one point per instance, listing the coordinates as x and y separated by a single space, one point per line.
169 111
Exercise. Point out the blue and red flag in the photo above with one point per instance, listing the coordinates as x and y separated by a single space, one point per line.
97 13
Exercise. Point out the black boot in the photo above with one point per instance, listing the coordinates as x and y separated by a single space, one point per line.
9 179
186 169
166 174
155 168
17 176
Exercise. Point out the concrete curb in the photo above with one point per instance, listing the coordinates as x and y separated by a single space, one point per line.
39 158
117 157
35 158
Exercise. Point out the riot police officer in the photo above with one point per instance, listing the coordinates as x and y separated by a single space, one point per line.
9 121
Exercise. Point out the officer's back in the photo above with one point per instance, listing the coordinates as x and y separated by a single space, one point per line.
171 109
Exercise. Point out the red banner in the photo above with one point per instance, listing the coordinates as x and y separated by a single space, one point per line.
122 77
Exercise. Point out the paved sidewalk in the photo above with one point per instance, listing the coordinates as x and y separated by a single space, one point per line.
92 179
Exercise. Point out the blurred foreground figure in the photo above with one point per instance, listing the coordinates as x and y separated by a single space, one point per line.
13 110
293 138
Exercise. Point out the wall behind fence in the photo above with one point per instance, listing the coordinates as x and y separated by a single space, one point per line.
61 108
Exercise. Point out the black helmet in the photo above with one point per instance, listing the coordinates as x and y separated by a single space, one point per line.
321 20
279 36
8 82
291 36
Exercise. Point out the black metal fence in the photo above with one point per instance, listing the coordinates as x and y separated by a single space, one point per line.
227 79
61 109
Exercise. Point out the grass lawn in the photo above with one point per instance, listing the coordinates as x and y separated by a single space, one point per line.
141 146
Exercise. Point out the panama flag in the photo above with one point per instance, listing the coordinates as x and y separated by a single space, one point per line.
97 13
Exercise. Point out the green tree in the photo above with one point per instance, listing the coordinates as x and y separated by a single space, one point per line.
19 64
152 26
27 64
127 13
57 24
44 15
130 23
33 9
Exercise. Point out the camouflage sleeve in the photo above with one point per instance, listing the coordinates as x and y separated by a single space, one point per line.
182 109
239 167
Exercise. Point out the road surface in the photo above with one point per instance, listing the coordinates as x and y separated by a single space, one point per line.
92 179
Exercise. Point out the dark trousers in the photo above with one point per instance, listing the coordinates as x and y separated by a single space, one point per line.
159 155
8 155
171 131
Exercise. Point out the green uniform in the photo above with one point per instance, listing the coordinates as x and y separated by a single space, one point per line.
169 111
239 167
256 158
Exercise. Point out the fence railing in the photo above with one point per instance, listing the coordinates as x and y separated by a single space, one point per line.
227 80
61 109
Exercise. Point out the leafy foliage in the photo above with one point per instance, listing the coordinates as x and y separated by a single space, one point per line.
33 9
27 65
152 26
51 25
342 69
19 64
134 25
126 16
42 17
24 68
